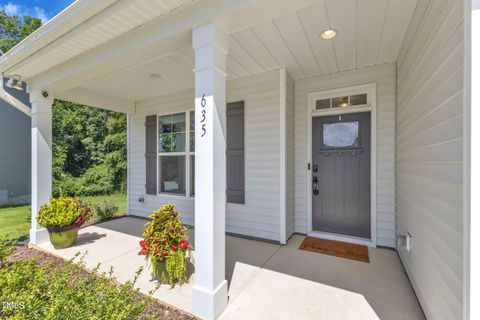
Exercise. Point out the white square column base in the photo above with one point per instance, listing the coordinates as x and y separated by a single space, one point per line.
38 236
209 304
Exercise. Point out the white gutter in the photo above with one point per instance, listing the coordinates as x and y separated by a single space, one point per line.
65 21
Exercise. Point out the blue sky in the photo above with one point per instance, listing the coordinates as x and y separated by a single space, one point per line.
42 9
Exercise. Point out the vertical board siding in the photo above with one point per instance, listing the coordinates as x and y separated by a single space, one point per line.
429 155
290 212
259 216
384 77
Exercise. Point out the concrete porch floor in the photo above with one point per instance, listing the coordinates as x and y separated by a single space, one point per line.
266 280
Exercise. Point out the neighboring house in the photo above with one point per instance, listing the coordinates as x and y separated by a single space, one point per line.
14 146
362 137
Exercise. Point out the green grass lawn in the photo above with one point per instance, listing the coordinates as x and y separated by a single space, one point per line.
15 220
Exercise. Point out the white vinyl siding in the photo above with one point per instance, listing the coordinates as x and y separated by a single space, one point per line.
259 216
15 152
290 212
429 155
384 77
172 103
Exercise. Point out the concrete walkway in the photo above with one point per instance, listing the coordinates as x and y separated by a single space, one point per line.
266 281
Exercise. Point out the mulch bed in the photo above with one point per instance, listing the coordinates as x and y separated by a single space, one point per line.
43 258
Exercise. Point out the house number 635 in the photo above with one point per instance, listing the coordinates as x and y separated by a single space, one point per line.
204 115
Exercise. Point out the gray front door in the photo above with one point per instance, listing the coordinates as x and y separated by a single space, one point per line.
341 174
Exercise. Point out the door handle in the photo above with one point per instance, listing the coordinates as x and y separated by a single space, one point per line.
315 186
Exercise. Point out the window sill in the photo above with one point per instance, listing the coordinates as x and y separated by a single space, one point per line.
173 195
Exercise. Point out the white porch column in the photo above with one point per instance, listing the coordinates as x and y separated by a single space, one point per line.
41 159
471 117
210 291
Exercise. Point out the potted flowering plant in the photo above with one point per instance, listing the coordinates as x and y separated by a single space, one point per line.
165 245
62 217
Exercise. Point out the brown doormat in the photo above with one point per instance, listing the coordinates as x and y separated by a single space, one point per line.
336 248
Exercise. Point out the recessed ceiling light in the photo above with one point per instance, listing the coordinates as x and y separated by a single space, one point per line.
328 34
155 76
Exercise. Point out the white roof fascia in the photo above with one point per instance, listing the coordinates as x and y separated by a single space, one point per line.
65 21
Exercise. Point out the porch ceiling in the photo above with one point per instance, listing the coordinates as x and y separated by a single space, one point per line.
370 32
98 23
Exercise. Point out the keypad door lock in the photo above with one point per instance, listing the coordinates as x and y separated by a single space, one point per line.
315 186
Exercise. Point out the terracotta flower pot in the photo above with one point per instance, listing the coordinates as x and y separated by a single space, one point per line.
63 237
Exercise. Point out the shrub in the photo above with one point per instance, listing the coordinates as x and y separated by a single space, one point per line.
66 185
66 291
97 180
166 241
64 211
105 210
6 248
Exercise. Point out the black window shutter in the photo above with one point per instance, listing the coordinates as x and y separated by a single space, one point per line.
236 152
151 154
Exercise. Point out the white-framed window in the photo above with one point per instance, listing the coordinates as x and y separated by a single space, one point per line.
344 98
176 153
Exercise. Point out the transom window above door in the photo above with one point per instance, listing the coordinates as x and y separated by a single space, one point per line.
356 97
176 147
341 101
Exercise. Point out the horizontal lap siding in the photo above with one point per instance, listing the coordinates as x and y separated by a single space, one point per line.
429 155
259 216
15 152
384 77
290 221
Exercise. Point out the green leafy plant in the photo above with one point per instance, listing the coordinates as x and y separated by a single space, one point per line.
64 211
166 243
176 266
6 248
38 286
67 291
105 210
89 150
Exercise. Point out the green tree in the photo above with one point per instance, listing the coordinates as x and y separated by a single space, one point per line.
89 144
89 150
14 29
